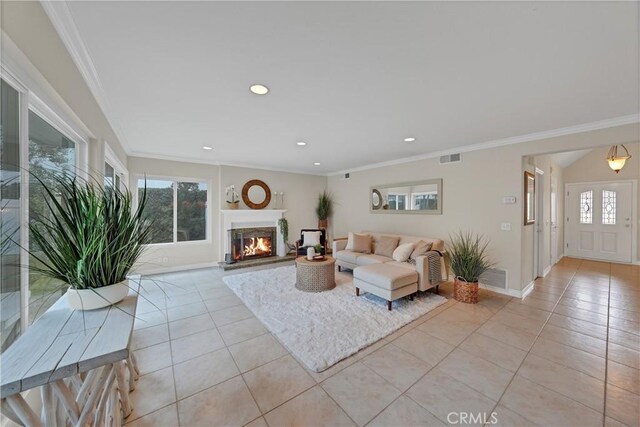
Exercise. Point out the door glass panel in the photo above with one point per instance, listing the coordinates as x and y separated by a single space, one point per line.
50 153
10 219
586 207
608 207
109 172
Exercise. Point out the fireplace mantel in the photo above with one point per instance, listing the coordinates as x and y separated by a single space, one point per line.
245 218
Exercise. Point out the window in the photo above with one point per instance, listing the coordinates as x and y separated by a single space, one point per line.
424 201
10 201
176 210
608 207
397 201
586 207
49 152
109 175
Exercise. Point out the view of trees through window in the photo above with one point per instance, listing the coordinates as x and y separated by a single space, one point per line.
188 214
50 152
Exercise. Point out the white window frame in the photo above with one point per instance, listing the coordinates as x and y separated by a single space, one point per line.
422 193
29 85
119 168
175 180
406 198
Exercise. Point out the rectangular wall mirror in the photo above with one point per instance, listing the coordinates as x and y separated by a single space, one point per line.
419 197
529 198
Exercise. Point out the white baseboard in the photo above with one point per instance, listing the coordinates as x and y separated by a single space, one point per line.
161 270
527 289
509 292
546 271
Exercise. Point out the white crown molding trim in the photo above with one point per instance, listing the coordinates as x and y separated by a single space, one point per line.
145 155
586 127
62 20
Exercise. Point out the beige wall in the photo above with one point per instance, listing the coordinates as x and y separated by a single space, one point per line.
472 195
28 26
300 194
594 168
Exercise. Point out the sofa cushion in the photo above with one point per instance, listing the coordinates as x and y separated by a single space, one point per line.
385 245
421 249
361 243
348 256
310 238
386 276
411 267
403 252
372 259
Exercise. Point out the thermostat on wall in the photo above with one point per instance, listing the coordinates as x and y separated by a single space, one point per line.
508 200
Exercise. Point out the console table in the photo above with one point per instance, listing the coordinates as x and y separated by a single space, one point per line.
81 362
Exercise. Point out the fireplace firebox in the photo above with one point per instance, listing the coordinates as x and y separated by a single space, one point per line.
249 243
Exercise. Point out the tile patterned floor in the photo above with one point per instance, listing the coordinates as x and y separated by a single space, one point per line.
567 355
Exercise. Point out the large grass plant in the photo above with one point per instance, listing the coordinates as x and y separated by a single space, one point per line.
468 256
88 236
325 206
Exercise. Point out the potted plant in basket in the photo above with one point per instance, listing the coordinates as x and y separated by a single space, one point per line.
88 239
324 208
468 260
233 199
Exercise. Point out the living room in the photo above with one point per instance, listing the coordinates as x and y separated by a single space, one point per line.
305 185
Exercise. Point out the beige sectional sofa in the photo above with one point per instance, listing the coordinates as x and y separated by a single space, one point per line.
352 260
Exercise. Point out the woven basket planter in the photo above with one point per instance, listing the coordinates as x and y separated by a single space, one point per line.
464 291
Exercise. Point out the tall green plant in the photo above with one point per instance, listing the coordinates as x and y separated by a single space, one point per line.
467 255
88 237
325 205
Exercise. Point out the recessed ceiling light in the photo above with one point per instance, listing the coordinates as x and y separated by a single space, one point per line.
301 143
316 164
409 139
207 148
259 89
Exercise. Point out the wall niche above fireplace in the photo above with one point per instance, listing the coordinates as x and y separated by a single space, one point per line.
250 243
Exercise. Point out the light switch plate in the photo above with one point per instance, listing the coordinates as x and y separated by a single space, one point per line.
509 200
505 226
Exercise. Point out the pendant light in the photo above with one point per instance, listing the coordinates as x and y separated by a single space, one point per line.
616 162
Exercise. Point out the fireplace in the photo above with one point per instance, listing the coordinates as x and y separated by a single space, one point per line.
250 243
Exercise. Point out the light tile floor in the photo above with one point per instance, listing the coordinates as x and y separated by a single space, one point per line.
566 355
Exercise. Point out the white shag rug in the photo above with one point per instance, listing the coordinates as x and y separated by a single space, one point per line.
323 328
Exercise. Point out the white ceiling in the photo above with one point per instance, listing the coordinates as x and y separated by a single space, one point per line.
567 158
354 78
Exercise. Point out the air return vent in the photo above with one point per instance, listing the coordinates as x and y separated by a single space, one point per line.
451 158
494 277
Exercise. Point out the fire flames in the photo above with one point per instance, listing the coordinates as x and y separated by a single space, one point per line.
258 246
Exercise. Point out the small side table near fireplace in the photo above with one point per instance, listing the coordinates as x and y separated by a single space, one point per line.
315 276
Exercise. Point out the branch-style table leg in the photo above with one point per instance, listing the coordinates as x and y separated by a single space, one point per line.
23 411
48 405
66 398
122 388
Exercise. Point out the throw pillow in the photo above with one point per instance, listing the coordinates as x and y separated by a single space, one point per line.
386 245
361 243
403 252
421 249
310 238
350 235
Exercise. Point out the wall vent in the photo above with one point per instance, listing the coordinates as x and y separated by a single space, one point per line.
346 175
451 158
494 277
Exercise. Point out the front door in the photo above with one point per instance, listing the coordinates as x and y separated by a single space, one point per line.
599 221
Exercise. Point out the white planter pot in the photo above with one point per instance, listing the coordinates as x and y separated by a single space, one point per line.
311 252
91 299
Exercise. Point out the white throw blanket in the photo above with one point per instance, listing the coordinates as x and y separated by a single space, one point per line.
321 329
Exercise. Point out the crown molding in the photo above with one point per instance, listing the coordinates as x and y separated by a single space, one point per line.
586 127
145 155
64 24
